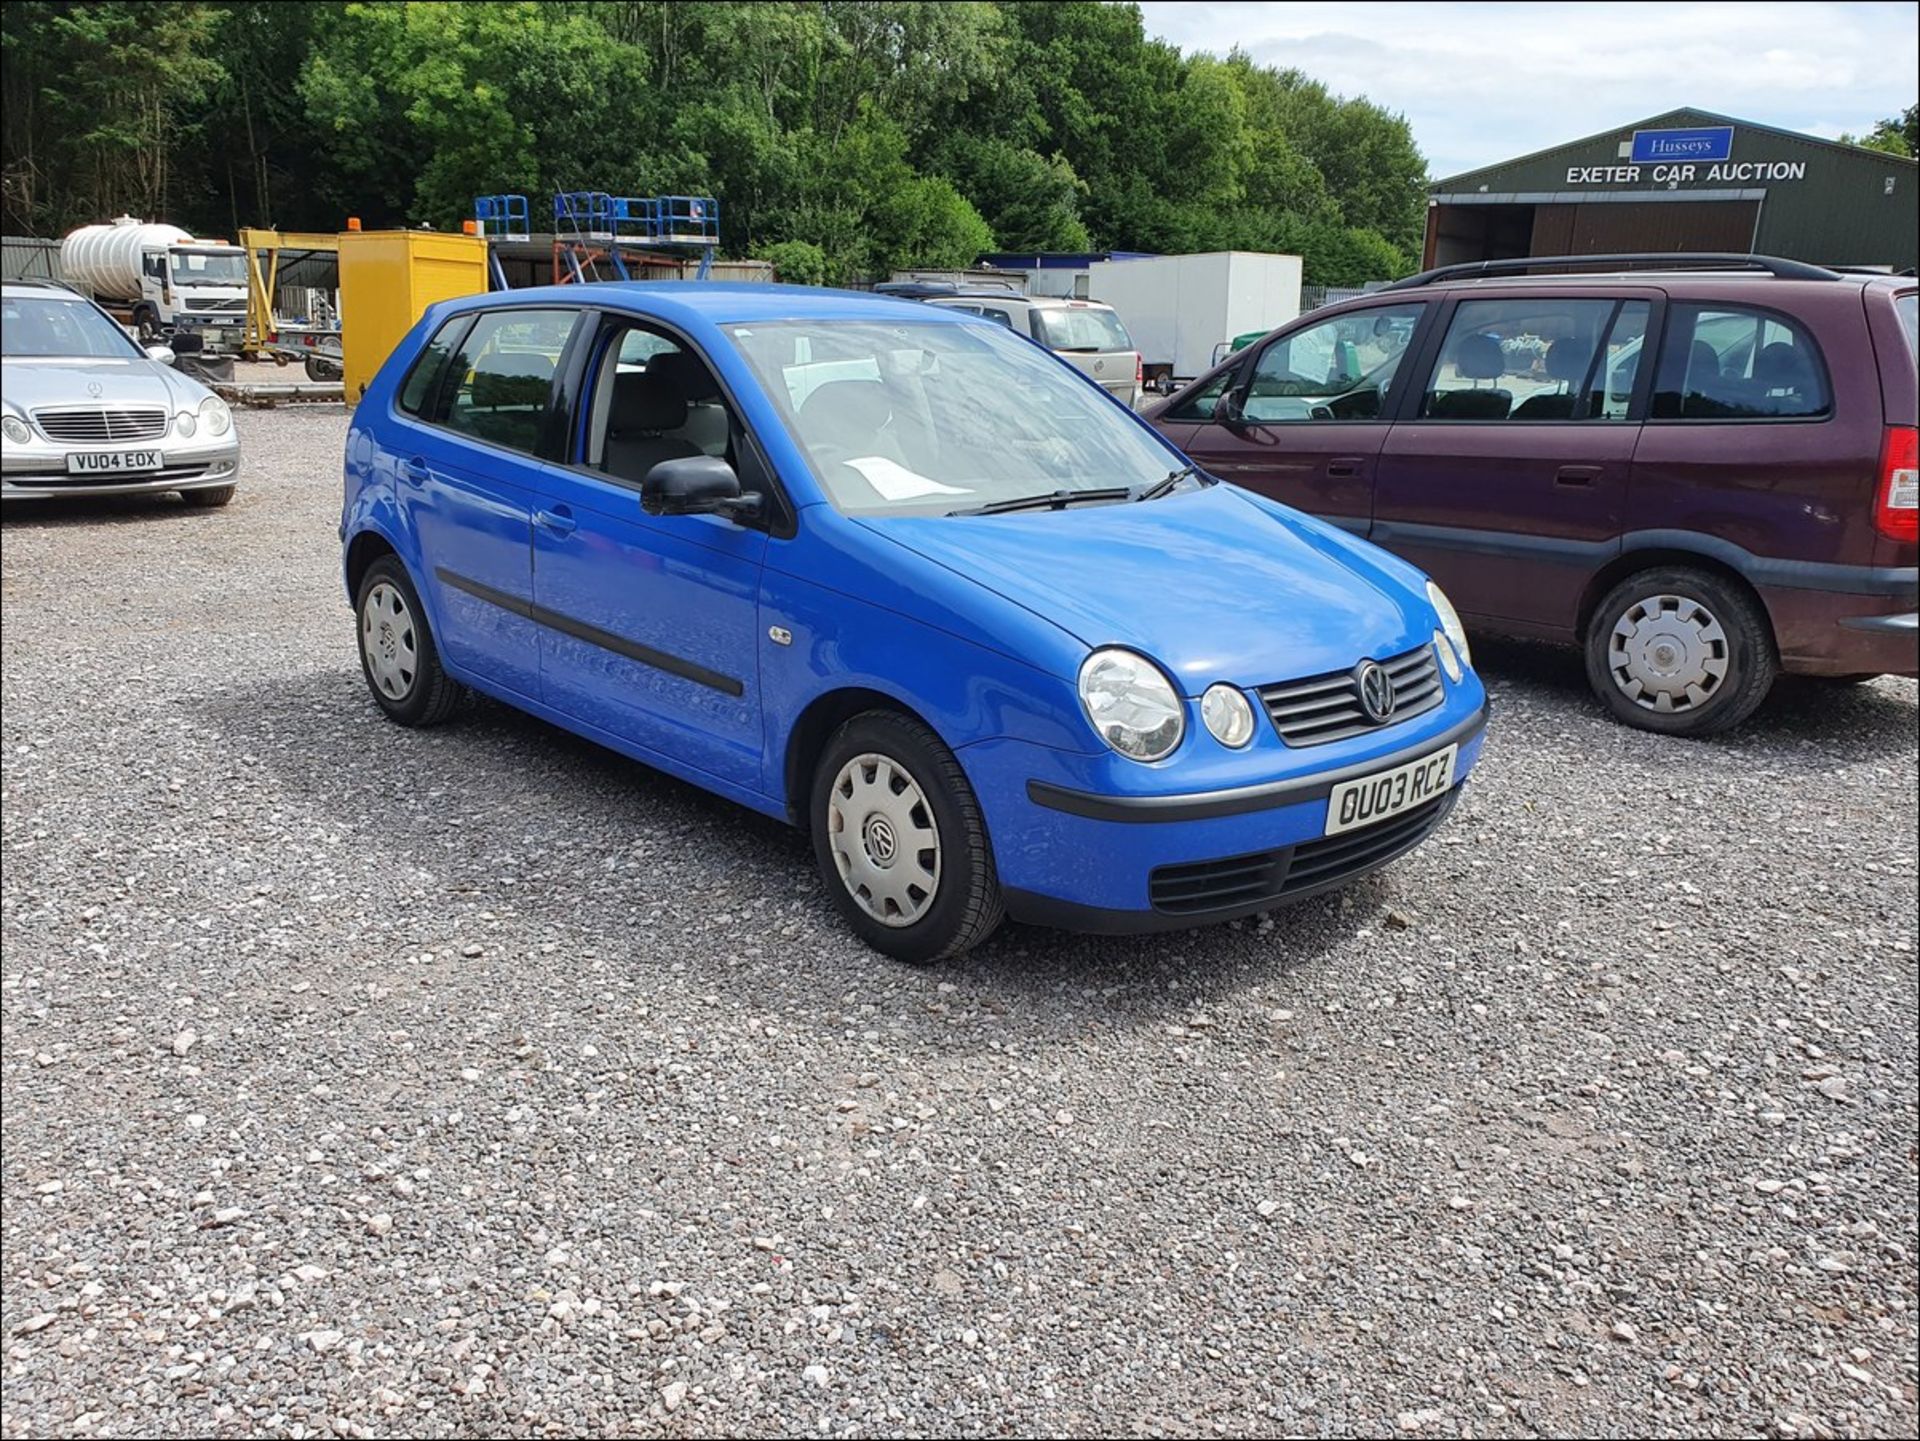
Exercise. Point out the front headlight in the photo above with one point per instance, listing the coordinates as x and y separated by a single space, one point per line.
1450 622
184 425
1228 716
15 429
1131 704
215 415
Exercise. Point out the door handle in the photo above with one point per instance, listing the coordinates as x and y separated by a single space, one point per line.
413 471
558 521
1580 475
1345 468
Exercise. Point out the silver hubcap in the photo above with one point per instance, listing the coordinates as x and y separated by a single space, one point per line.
1668 654
884 839
389 641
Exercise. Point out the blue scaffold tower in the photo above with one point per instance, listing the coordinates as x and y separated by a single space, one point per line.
600 236
501 218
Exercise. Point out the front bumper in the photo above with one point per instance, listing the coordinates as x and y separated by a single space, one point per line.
1101 858
39 472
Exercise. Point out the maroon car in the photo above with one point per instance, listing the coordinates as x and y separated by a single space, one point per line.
1703 474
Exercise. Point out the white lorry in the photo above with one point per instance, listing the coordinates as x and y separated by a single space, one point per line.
1181 308
167 287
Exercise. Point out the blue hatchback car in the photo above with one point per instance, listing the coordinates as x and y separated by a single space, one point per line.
907 580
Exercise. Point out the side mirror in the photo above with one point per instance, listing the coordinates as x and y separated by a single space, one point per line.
696 485
1227 409
163 354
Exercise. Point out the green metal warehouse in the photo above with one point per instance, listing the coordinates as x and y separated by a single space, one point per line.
1686 180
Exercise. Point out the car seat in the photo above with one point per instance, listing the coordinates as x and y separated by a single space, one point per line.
706 426
645 406
1567 362
1477 357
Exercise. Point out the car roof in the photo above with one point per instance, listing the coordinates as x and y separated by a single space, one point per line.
44 286
715 302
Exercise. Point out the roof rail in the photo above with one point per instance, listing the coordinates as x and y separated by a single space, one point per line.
1773 265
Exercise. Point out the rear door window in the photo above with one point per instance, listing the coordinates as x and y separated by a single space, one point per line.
502 381
1726 362
422 384
1558 358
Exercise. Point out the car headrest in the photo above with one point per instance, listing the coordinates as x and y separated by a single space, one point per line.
1479 357
1705 364
846 412
1567 359
1782 366
645 401
688 374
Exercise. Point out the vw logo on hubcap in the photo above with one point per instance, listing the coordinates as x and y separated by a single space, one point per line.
1375 686
877 834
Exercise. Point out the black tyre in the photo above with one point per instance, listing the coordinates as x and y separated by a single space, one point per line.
397 653
901 842
208 496
1680 651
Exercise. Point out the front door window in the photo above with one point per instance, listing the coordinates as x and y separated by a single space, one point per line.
1339 369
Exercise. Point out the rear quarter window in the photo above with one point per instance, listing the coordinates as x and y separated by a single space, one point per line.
1907 307
1732 362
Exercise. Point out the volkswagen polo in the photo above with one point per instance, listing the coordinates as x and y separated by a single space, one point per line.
906 580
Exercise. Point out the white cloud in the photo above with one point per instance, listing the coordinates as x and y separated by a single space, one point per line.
1484 82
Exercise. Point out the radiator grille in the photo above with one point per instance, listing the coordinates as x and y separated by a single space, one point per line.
1325 708
102 425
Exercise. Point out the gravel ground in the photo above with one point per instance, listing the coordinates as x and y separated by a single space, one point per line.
477 1081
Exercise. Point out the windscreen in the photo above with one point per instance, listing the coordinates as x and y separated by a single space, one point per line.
927 418
209 267
1093 328
32 326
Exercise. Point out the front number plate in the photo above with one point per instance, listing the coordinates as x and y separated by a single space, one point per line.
110 462
1382 796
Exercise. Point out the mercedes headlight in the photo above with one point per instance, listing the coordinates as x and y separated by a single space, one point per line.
1132 704
1228 716
15 429
1450 623
184 425
215 415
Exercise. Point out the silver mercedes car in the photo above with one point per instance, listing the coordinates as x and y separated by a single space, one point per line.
85 411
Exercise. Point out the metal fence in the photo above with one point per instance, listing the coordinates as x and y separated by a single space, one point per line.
1312 297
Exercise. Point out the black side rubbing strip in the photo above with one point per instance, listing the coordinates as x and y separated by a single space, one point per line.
593 635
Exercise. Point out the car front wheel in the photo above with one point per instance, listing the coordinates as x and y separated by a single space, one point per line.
900 840
1680 651
397 653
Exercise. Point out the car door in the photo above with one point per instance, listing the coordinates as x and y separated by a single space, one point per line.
1507 481
467 476
1302 419
652 622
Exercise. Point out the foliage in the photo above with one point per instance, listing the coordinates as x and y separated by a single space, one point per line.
797 262
1897 135
847 137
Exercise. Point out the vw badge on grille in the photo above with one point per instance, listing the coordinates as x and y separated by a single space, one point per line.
1375 686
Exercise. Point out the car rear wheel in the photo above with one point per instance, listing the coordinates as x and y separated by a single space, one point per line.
397 653
900 840
208 496
1681 652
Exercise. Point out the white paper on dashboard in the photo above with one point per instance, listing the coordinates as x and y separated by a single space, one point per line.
895 482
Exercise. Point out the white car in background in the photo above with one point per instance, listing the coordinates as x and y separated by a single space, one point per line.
85 411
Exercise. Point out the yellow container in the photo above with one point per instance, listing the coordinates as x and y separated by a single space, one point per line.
387 280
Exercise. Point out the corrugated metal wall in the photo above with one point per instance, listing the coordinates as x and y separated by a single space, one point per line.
24 257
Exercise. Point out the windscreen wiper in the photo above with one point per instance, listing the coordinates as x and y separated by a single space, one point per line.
1052 500
1166 483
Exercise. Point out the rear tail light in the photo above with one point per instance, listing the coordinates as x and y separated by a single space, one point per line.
1139 371
1896 509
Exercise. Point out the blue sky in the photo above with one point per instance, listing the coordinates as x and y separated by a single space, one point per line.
1486 82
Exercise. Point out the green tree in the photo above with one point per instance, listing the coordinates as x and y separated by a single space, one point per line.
1898 135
